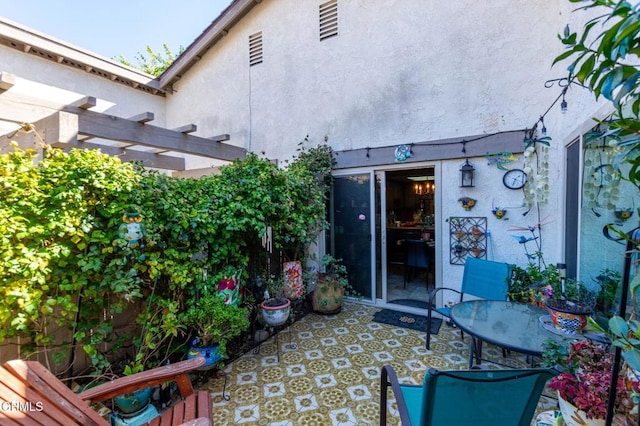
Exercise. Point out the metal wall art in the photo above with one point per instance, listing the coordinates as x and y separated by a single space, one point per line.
467 237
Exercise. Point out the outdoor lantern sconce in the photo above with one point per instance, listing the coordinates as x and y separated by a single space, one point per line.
466 175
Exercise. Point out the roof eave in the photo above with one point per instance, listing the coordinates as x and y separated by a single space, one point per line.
28 40
209 37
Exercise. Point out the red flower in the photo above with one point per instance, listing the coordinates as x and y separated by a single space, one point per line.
585 382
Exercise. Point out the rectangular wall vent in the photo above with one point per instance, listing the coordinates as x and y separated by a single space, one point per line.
255 49
328 19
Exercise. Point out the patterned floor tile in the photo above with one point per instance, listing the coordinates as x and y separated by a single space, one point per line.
326 371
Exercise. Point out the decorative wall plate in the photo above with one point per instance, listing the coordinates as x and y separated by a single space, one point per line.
402 152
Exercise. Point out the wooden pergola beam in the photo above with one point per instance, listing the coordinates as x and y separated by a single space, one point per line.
7 80
58 129
145 117
148 159
104 126
188 128
221 138
86 102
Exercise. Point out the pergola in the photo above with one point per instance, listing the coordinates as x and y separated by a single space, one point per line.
78 125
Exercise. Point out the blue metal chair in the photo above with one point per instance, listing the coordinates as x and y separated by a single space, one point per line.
483 279
472 397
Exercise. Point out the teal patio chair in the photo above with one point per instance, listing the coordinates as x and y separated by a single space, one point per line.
468 397
483 279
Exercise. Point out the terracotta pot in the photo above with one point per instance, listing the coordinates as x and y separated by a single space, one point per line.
568 317
574 417
327 296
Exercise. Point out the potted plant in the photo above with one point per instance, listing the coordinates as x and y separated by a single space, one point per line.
152 348
527 284
332 284
569 304
215 322
583 384
276 307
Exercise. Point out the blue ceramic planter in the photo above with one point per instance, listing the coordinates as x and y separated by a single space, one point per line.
210 354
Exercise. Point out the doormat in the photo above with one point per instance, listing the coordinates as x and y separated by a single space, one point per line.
405 320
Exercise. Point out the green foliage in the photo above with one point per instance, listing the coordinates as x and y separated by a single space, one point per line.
609 282
160 325
57 259
336 272
605 63
63 263
155 63
215 321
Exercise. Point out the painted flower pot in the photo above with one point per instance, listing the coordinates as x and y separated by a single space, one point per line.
275 311
572 416
133 402
327 297
568 317
209 353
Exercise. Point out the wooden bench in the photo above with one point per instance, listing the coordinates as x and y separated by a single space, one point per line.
31 395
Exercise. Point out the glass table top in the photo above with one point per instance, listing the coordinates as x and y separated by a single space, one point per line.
510 325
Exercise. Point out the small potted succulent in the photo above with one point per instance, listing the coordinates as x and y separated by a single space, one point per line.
583 384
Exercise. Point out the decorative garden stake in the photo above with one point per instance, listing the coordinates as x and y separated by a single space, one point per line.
293 285
132 229
467 203
229 289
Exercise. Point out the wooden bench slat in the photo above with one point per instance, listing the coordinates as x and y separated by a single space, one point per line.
38 378
24 382
189 408
205 406
13 389
178 413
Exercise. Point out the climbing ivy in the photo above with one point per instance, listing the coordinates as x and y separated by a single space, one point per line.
64 264
56 242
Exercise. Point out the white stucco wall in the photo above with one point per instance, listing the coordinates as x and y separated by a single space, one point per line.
113 98
398 72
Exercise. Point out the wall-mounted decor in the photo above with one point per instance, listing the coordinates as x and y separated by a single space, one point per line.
467 203
467 237
499 213
402 152
467 175
623 214
500 159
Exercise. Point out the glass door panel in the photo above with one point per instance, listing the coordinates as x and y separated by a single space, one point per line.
351 228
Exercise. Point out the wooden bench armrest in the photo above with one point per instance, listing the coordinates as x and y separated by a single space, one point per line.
173 372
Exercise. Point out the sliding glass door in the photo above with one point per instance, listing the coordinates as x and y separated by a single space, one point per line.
351 217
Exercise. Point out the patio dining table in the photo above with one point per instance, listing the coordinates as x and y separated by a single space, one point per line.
509 325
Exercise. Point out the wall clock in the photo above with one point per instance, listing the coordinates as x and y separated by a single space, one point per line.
514 179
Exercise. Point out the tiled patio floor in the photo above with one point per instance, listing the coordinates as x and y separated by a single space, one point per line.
332 376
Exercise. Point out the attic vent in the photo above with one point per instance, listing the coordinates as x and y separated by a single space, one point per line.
255 49
328 19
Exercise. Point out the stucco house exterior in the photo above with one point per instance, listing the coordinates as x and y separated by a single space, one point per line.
375 79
